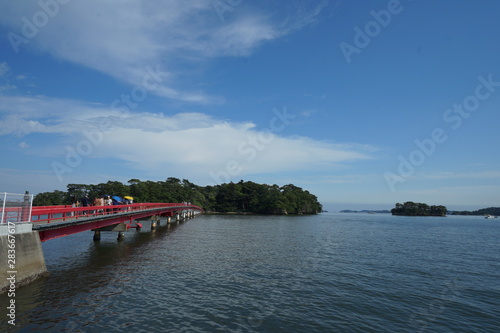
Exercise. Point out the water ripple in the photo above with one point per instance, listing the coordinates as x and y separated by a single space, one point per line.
326 273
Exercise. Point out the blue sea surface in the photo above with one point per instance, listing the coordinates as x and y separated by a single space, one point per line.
330 272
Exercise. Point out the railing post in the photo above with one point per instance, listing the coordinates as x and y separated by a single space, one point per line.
31 205
3 208
25 209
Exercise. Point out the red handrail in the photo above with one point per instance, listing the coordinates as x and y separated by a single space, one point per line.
63 213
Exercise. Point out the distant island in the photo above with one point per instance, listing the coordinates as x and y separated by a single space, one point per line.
366 211
495 211
410 208
236 198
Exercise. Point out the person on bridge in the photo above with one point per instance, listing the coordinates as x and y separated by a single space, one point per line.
74 203
85 203
128 200
108 202
99 201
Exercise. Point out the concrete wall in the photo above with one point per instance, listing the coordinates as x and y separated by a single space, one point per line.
19 227
29 259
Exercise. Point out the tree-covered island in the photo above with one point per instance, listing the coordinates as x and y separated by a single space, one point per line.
242 197
410 208
495 211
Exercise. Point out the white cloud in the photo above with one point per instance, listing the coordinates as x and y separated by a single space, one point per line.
186 141
204 149
121 38
7 87
203 144
4 68
308 113
26 115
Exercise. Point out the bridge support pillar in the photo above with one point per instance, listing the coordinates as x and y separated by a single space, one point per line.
121 235
153 225
97 235
169 219
178 217
29 261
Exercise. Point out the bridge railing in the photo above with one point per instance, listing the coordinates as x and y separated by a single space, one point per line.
48 214
15 207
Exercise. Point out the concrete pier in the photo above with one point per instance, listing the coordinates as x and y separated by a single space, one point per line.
25 263
120 227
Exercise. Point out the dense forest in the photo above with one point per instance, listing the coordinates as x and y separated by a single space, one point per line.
242 197
484 211
418 209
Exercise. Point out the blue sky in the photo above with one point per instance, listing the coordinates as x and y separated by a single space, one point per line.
363 103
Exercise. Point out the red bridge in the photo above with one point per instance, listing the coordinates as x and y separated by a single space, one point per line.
23 228
58 221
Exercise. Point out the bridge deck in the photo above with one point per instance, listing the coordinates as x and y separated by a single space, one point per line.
41 226
58 221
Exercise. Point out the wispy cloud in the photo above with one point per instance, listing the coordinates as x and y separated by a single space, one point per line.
486 174
184 141
308 113
121 38
5 85
25 115
347 179
23 145
4 68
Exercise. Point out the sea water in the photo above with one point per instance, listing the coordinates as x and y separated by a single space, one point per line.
330 272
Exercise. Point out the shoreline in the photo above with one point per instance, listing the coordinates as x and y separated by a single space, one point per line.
249 213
